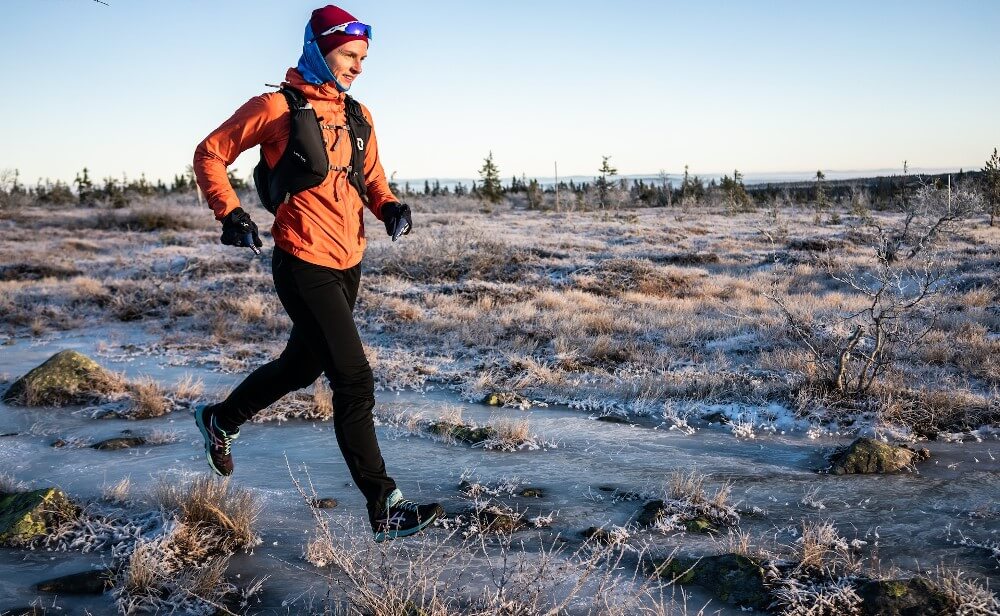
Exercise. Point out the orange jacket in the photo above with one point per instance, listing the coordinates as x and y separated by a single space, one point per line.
323 225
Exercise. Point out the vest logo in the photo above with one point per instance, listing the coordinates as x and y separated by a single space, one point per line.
361 144
299 156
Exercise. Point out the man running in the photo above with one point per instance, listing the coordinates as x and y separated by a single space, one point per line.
319 241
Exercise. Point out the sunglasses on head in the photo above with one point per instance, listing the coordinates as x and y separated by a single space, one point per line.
353 28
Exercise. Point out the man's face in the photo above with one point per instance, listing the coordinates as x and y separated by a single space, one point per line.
345 61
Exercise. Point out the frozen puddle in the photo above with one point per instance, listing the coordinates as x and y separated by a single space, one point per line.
912 519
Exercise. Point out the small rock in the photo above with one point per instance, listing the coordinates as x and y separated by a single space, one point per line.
67 377
324 503
532 493
615 419
904 597
120 442
59 443
866 456
650 513
495 519
93 582
923 454
733 578
26 516
716 418
599 535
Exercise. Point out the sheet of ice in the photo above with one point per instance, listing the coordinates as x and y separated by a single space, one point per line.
908 517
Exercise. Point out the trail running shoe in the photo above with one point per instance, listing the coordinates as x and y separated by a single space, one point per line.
217 441
401 518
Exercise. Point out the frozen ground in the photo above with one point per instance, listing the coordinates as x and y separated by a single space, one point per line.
910 521
657 318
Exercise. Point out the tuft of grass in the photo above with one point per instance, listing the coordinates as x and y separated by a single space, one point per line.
316 405
226 509
118 493
189 388
148 399
9 485
510 434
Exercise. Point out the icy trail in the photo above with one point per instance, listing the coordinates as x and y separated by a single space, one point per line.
914 519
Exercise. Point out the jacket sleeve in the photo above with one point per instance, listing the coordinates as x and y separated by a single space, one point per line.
379 192
257 121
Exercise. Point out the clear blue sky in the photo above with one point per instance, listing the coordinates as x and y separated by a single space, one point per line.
763 86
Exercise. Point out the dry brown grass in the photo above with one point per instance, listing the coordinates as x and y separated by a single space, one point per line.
621 302
119 492
148 399
189 388
218 505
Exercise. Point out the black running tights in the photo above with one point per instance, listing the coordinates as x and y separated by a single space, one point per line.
324 340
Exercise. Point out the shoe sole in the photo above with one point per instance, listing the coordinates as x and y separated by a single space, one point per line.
199 420
397 534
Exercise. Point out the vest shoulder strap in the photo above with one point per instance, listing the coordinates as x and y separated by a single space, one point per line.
360 131
296 100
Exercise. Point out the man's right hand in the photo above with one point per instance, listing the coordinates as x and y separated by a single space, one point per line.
239 230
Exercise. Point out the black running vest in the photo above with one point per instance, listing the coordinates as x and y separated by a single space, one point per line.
305 163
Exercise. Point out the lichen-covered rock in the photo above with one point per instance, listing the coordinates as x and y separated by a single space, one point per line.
733 578
26 516
866 456
903 598
68 377
701 525
460 432
324 503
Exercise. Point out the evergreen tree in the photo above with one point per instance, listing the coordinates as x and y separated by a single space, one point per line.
692 188
821 199
490 190
534 195
602 182
84 187
991 186
737 199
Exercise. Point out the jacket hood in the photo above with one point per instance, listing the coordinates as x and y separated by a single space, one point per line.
322 92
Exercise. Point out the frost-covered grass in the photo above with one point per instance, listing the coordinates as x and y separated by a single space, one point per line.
476 572
171 558
625 311
686 505
316 405
498 434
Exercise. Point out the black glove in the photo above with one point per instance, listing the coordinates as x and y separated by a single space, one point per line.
239 230
393 214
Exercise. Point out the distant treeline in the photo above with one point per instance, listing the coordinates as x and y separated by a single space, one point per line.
881 190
